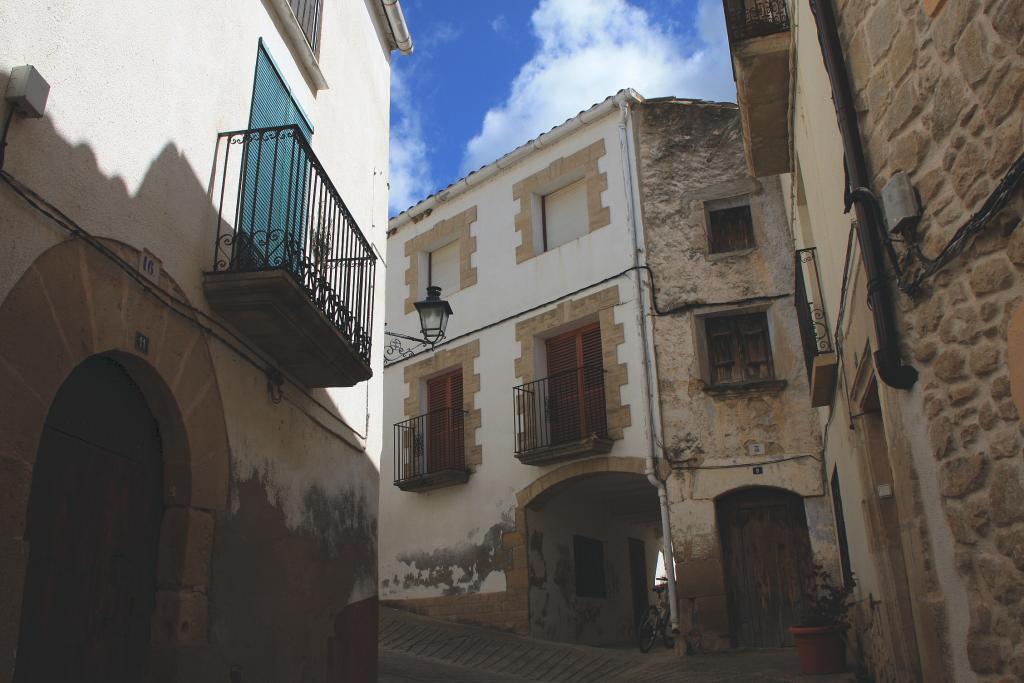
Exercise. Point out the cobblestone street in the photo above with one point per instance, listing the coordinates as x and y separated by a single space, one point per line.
415 648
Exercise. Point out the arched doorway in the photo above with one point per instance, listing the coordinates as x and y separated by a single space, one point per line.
93 528
593 547
766 552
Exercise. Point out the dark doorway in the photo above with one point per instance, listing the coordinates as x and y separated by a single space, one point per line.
638 580
767 555
93 527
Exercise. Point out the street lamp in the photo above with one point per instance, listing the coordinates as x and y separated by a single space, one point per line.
434 313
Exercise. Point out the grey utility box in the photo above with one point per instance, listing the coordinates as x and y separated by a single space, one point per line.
27 90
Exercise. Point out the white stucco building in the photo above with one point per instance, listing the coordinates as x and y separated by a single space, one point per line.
535 483
190 271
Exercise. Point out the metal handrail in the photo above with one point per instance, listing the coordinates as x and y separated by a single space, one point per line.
279 210
562 408
810 308
758 18
430 443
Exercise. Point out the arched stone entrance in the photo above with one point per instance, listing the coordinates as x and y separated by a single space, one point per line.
593 534
73 304
93 526
766 555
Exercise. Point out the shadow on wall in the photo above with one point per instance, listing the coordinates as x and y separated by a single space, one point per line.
278 595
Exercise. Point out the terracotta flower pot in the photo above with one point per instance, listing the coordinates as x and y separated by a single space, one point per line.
822 649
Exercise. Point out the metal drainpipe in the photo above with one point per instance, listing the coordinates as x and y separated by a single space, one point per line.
625 140
888 362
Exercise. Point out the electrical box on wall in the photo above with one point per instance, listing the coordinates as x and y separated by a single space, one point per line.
899 202
27 90
755 449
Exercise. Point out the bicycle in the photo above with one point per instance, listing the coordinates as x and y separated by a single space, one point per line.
656 622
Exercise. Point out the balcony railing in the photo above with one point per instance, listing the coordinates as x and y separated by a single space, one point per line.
745 19
819 352
555 414
278 210
430 450
308 13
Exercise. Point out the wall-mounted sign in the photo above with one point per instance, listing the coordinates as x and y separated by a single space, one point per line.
149 265
758 469
141 343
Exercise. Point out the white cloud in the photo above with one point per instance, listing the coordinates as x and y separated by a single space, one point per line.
590 49
410 178
499 24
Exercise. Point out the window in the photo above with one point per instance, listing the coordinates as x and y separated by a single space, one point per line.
730 227
576 385
837 509
443 268
588 560
445 418
564 215
738 348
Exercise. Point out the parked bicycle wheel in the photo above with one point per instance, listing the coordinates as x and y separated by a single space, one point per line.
647 631
667 638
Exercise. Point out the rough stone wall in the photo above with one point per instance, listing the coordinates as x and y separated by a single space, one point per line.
691 153
940 98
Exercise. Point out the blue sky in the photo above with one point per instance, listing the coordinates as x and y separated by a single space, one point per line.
487 76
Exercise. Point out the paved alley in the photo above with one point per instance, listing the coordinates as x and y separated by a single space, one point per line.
415 648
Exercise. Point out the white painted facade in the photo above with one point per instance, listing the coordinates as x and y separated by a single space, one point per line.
415 526
127 149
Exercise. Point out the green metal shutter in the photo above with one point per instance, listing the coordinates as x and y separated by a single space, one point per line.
277 171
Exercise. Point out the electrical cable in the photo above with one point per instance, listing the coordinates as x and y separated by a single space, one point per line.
3 134
174 304
975 224
737 465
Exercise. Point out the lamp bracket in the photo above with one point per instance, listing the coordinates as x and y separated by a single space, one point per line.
395 350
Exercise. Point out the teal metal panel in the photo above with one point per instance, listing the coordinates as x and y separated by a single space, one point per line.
275 208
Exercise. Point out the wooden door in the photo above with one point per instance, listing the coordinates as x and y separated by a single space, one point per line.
767 557
445 443
575 385
93 526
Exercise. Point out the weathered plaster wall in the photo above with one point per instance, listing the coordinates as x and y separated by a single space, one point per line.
556 611
691 153
127 152
940 98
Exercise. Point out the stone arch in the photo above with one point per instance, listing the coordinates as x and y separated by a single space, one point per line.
73 303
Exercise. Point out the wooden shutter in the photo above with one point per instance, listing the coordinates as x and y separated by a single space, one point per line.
753 337
721 349
445 443
731 229
575 384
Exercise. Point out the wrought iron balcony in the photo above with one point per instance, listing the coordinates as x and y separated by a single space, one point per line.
759 39
430 450
561 417
819 353
745 19
291 268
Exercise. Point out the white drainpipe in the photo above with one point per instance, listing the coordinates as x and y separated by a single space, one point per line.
653 414
399 29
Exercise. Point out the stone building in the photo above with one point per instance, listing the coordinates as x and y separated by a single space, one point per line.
534 451
188 465
898 126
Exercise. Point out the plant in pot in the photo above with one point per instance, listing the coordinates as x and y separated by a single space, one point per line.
820 637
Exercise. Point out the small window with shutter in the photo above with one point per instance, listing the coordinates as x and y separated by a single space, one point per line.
575 388
443 268
738 348
564 215
730 227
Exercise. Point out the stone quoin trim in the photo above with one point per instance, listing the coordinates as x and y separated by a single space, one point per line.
602 305
71 304
448 359
586 159
445 232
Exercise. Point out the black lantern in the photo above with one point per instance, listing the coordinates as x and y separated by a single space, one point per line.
434 312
